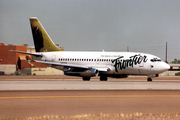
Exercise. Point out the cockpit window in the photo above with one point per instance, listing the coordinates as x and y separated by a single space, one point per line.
155 60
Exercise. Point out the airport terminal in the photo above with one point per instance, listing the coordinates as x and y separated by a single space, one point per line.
20 64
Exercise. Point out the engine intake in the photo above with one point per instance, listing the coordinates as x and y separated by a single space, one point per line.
85 73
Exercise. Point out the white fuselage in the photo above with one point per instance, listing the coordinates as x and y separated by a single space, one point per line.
129 63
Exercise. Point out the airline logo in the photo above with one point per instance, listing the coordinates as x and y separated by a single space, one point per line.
124 63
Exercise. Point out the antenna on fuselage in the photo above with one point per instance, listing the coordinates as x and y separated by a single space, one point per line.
127 48
166 54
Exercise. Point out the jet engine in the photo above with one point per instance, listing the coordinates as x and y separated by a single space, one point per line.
81 72
154 75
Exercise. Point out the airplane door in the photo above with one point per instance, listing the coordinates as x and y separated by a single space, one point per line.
141 71
54 58
97 60
141 64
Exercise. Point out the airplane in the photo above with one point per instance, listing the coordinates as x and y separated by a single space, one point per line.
87 64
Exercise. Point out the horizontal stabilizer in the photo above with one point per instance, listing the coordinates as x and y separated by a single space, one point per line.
34 54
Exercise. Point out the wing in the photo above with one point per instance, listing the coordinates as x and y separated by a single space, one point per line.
67 66
54 64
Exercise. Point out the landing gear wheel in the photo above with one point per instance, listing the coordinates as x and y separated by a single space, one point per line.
149 79
103 78
86 78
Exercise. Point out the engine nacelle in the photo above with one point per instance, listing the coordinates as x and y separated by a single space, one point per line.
84 73
155 75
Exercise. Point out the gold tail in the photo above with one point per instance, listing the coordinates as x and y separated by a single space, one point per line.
42 41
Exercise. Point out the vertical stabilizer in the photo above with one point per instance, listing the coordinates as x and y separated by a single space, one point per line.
42 41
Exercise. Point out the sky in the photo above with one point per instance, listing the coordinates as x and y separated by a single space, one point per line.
92 25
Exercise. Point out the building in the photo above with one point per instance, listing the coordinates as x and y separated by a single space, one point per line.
7 57
11 62
174 68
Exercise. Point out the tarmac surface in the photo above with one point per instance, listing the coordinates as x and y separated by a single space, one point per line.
76 83
28 96
23 104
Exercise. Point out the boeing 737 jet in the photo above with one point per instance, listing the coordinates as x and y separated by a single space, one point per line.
89 64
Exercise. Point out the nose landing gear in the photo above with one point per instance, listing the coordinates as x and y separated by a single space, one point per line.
149 79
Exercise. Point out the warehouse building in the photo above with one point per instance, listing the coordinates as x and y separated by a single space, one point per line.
11 62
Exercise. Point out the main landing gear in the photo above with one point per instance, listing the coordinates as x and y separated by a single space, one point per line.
149 79
86 78
103 78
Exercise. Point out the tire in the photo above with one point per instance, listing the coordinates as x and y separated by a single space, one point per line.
86 78
103 78
149 79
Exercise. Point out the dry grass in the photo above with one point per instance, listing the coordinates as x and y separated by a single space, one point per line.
135 116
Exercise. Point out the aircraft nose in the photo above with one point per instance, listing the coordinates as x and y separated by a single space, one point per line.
166 66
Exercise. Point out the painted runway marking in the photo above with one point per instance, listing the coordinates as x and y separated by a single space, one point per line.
103 96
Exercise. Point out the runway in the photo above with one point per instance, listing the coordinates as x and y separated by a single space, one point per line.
94 84
21 104
21 98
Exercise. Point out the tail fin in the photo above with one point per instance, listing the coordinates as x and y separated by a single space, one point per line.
42 41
